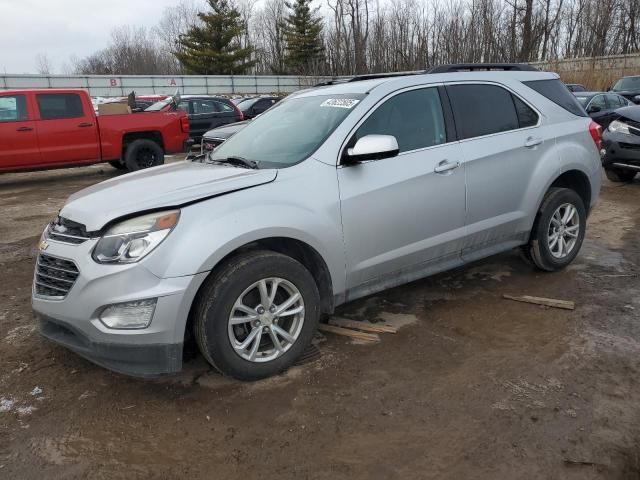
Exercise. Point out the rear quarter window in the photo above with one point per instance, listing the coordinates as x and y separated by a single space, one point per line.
557 92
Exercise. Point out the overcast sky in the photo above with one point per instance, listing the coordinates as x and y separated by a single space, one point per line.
62 28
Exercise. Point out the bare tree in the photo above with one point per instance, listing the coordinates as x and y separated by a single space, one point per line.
43 64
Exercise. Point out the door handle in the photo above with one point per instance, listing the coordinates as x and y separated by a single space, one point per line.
85 125
532 142
24 129
445 166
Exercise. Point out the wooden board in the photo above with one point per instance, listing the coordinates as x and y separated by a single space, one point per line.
366 337
364 326
549 302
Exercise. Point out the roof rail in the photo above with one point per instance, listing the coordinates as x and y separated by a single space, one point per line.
474 67
368 76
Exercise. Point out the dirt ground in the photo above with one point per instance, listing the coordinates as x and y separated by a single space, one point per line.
472 386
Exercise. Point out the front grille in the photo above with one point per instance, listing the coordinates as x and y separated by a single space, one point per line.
635 126
67 231
54 276
629 146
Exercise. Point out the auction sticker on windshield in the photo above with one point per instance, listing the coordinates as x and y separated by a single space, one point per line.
340 102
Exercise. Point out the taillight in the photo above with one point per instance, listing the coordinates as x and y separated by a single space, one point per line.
595 131
240 114
184 124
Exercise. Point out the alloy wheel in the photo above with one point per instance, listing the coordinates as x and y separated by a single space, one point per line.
266 320
563 231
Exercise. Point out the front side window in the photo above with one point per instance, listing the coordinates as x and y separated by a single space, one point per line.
482 109
289 132
13 108
414 118
597 104
58 106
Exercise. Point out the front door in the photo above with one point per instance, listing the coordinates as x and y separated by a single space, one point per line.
403 216
18 136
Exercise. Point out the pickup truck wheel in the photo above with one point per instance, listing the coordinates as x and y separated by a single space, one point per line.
256 314
616 175
558 230
143 154
118 164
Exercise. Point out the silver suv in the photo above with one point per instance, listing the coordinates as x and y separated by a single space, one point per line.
335 193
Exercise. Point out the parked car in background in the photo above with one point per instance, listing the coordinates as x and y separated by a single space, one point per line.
628 87
576 87
205 112
339 192
602 106
254 106
52 128
621 145
214 138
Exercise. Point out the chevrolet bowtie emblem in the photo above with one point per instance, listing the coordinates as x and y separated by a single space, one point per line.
43 245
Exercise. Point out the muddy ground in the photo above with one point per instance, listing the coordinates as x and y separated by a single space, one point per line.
472 386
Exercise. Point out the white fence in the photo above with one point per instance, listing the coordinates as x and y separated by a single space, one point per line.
121 85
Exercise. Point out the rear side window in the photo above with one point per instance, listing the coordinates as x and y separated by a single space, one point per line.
59 106
415 118
555 91
223 107
13 109
204 106
482 110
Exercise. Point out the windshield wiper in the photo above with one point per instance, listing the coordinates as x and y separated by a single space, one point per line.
237 161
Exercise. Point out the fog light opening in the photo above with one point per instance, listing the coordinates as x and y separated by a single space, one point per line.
129 315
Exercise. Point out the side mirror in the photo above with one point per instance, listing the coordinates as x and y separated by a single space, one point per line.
373 147
594 109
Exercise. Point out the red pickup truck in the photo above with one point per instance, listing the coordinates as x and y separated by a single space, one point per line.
41 129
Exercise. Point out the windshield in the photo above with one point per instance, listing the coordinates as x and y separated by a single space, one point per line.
629 83
583 100
289 132
156 107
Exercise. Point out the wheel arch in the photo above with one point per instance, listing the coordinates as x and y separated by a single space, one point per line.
129 138
297 249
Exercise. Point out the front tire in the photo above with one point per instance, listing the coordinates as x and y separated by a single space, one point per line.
256 314
619 175
143 153
558 230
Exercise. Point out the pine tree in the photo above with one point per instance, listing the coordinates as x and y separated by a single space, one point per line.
303 37
213 47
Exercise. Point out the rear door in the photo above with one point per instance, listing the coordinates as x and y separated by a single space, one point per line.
67 131
502 141
18 136
203 116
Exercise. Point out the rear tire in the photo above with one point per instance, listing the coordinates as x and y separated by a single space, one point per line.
232 293
558 231
619 175
117 164
143 153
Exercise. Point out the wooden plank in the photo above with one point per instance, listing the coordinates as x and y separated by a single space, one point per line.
366 337
549 302
364 326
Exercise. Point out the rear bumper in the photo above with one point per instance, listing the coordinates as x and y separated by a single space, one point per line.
136 360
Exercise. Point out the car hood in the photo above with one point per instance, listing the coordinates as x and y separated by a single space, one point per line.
170 185
629 113
227 130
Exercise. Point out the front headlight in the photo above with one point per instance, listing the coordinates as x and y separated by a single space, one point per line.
133 239
619 127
